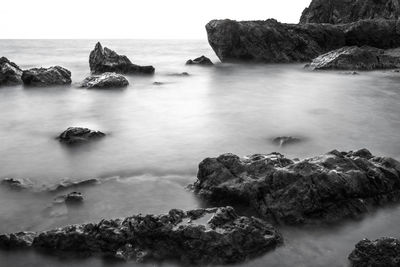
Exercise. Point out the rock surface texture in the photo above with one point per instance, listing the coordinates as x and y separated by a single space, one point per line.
106 60
345 11
203 236
105 81
10 73
74 135
383 252
325 188
200 61
46 76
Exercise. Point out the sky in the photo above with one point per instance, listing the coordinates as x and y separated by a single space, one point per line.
133 19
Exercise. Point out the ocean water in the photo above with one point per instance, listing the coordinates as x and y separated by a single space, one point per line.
158 134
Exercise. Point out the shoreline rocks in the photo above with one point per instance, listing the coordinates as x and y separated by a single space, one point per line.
46 76
202 236
105 81
10 73
76 135
204 61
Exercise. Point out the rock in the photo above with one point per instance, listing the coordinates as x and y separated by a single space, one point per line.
17 240
182 74
203 236
105 81
326 188
200 61
346 11
356 58
273 42
17 183
75 135
67 183
383 252
46 76
158 83
106 60
74 197
10 73
286 140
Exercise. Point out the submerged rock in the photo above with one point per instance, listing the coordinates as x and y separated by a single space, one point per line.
181 74
383 252
325 188
203 236
105 80
17 183
10 73
200 61
46 76
74 135
285 140
106 60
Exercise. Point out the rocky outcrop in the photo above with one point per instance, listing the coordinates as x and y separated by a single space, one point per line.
346 11
105 81
383 252
106 60
10 73
325 188
200 61
203 236
46 76
75 135
273 42
356 58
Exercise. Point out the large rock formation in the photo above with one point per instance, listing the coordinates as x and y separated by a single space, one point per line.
325 188
105 81
10 73
203 236
357 58
345 11
272 42
106 60
46 76
383 252
74 135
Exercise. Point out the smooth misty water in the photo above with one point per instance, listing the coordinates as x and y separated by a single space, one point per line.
159 134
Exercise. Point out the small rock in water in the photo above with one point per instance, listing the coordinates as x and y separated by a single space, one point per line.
17 183
183 74
200 61
74 135
73 198
286 140
46 76
10 73
158 83
105 81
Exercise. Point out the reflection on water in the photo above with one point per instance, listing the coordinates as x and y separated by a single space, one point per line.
157 135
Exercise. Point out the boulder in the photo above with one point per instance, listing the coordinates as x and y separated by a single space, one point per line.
105 81
383 252
346 11
202 237
326 188
200 61
106 60
75 135
46 76
10 73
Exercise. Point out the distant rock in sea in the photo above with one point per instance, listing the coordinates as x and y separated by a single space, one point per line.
105 81
10 73
205 61
106 60
181 74
286 140
46 76
76 135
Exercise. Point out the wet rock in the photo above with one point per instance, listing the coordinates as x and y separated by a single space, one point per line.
383 252
105 81
17 240
106 60
326 188
200 61
286 140
10 73
345 11
46 76
204 236
75 135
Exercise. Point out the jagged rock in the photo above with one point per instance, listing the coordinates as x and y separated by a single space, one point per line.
203 236
200 61
273 42
285 140
17 240
10 73
325 188
105 80
383 252
46 76
345 11
74 135
106 60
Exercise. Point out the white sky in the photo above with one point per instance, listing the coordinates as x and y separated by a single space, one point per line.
156 19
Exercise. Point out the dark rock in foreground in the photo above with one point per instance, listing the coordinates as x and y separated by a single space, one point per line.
105 80
203 236
383 252
326 188
10 73
356 58
46 76
75 135
106 60
200 61
345 11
